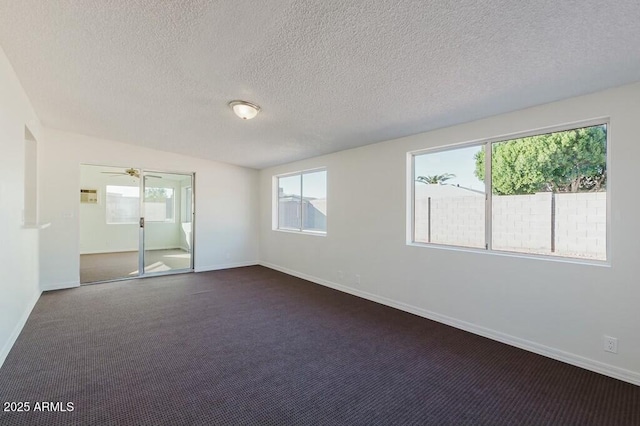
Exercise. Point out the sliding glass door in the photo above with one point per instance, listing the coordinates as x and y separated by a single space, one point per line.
109 218
134 223
167 220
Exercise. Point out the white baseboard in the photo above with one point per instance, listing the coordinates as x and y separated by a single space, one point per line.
557 354
225 266
110 251
74 284
61 286
131 250
18 328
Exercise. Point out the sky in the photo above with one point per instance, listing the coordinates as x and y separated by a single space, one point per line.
315 184
125 191
460 162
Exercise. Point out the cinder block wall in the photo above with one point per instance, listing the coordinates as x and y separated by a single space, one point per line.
520 223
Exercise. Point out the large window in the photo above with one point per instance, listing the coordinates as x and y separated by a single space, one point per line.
544 194
302 201
159 204
449 199
123 204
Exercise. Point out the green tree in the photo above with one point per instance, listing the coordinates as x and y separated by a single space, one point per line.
568 161
155 194
435 179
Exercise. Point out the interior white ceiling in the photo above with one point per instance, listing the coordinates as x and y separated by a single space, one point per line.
329 75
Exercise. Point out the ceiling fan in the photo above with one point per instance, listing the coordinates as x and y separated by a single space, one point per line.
131 172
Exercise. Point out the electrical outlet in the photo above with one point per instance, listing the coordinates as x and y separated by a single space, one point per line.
357 279
611 344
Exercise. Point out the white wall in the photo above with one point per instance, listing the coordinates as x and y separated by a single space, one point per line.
18 245
557 308
226 203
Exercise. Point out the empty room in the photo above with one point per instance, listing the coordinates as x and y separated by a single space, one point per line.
319 213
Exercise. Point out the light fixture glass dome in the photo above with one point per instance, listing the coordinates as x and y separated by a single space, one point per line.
244 110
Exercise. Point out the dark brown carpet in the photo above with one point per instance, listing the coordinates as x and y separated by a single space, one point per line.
252 346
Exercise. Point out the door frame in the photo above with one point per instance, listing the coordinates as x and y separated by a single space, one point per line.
141 230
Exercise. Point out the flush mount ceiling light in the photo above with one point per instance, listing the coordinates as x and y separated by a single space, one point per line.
244 110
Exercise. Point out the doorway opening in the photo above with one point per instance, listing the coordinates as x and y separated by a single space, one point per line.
134 223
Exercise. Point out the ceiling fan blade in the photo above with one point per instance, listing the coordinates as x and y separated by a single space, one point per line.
153 176
113 173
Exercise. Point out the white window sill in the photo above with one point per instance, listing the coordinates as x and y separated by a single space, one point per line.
293 231
36 225
572 260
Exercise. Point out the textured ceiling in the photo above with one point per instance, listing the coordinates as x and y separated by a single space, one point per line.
329 75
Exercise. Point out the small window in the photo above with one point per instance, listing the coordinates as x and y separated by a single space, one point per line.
302 202
544 194
187 204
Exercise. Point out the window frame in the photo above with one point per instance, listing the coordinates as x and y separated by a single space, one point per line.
276 203
488 143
